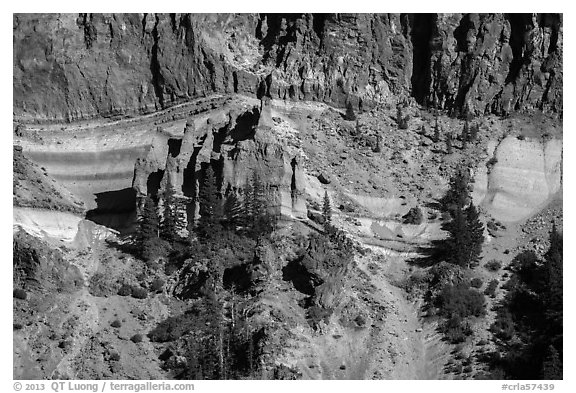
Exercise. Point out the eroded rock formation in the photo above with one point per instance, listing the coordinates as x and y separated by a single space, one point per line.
237 145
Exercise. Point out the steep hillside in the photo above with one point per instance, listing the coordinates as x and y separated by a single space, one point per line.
263 195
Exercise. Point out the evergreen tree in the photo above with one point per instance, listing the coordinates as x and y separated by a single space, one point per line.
263 220
464 245
465 135
149 225
474 130
168 229
377 149
458 195
552 365
449 143
350 115
400 119
256 217
233 211
210 207
553 296
475 230
327 211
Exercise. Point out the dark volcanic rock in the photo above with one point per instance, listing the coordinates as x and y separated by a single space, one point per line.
69 66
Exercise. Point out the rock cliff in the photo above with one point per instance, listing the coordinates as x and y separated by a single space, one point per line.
80 66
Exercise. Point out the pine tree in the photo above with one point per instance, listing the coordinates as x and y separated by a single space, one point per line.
552 365
350 115
475 230
465 134
210 207
399 115
464 245
149 226
474 130
400 119
233 211
449 143
458 195
553 298
327 211
263 221
168 228
377 149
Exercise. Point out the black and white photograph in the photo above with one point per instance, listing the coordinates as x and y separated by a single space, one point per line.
287 196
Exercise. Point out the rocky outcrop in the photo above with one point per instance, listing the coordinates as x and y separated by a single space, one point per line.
522 177
237 145
490 62
38 266
69 67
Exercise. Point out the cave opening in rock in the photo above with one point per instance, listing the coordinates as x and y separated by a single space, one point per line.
174 146
115 209
421 35
153 183
245 127
238 277
302 280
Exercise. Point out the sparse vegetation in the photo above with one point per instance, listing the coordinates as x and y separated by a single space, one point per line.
139 293
125 290
137 338
491 288
20 294
350 115
414 216
476 283
493 265
401 120
530 316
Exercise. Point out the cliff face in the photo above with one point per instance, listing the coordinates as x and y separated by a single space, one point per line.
237 144
69 67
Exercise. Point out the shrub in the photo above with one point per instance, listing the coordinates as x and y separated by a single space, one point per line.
350 115
114 356
460 300
456 330
174 327
493 265
139 293
491 288
414 216
116 323
137 338
491 225
17 326
503 327
155 248
157 285
125 290
476 282
20 294
65 344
